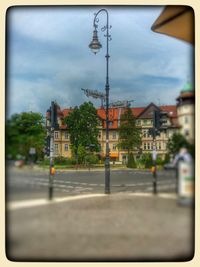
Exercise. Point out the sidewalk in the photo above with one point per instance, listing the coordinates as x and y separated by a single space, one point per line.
60 169
118 227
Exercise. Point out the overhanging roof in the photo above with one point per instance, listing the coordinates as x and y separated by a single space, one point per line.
176 21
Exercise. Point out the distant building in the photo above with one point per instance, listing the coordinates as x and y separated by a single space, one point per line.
186 111
144 121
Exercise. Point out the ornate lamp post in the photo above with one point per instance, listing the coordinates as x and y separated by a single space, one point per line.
95 46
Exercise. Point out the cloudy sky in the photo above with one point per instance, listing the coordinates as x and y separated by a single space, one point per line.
48 58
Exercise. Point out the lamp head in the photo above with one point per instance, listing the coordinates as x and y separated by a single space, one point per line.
95 45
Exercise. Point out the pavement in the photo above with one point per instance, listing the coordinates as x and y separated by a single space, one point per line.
118 227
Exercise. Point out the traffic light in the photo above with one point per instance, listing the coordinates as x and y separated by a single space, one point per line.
156 121
47 146
53 115
159 118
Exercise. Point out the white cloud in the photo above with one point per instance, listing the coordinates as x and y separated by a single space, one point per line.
49 58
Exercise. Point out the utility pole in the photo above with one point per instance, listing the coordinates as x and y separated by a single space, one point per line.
154 155
51 165
53 125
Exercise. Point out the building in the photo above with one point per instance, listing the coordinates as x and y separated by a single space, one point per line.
186 111
144 121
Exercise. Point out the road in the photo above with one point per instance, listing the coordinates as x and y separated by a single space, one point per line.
30 183
81 223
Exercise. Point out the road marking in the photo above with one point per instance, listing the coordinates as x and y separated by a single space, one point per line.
15 205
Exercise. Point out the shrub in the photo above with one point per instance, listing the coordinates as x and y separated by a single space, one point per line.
159 161
147 160
91 159
60 160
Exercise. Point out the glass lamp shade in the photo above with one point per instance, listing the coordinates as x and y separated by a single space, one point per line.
95 45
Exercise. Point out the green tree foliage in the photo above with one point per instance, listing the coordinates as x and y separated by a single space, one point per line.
82 124
23 131
147 160
176 142
129 134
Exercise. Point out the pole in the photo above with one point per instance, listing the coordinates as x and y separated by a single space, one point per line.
107 88
154 163
51 164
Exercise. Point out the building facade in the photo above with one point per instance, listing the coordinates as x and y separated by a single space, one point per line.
186 112
144 121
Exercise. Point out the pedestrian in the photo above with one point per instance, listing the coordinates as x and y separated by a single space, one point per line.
182 155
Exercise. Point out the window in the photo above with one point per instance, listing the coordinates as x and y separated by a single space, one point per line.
145 122
114 147
56 135
99 135
138 122
186 120
159 146
66 135
145 146
56 148
164 145
110 123
114 135
66 148
145 134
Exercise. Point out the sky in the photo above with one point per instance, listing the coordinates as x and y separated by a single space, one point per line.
48 58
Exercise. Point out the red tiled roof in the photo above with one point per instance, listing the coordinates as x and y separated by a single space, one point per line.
171 109
137 111
66 111
114 114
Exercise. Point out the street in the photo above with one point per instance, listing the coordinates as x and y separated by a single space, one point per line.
30 183
81 223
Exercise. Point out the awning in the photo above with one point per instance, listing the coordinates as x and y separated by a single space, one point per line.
111 154
114 155
176 21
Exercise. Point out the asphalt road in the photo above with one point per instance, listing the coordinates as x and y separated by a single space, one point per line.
27 183
81 223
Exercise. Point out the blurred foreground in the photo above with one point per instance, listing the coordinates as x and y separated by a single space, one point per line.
117 227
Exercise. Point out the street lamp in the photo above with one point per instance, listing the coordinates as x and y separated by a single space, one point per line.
95 45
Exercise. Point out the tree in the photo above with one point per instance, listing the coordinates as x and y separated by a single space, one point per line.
129 134
82 124
176 142
23 131
131 161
